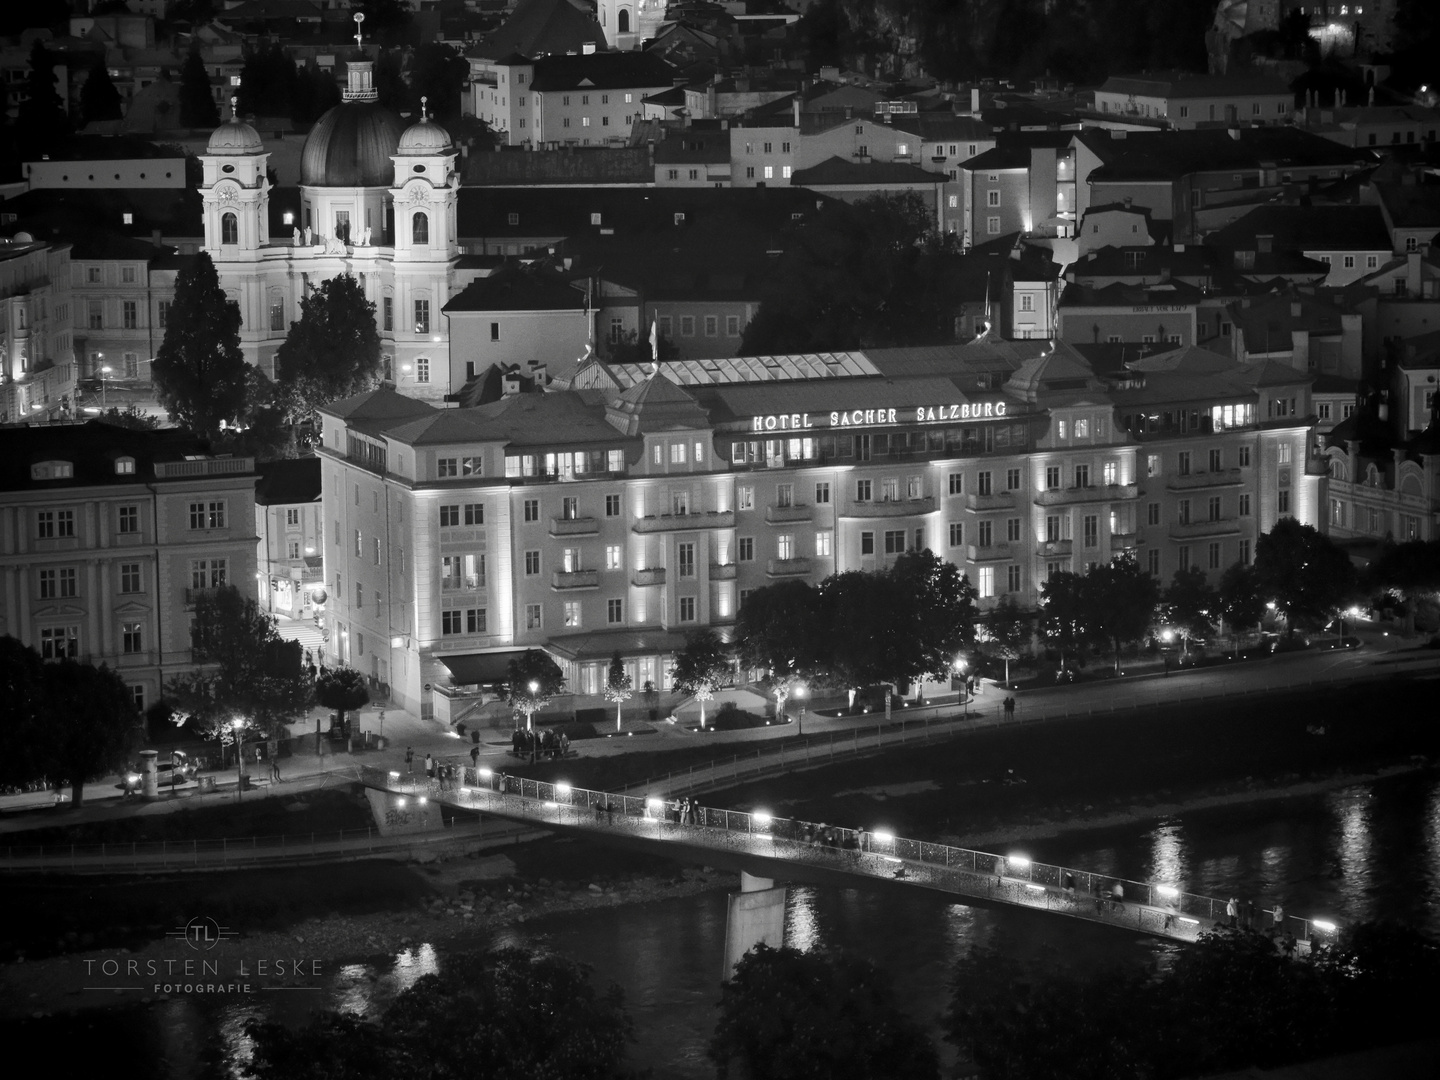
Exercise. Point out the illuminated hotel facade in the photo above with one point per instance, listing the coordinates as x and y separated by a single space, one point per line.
630 507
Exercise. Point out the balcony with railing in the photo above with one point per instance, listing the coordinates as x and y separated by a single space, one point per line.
577 526
999 500
560 580
779 515
787 567
990 552
1122 541
192 595
713 519
1196 481
1195 530
890 508
723 571
1054 549
1090 494
462 583
643 578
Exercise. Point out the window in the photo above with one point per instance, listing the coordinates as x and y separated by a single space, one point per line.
1182 512
687 609
1152 562
1110 471
862 490
785 546
571 612
1245 552
1214 556
48 588
784 494
687 325
1213 508
677 453
987 582
212 574
957 533
894 541
890 489
229 229
1052 477
129 317
685 560
59 642
447 466
130 638
474 513
449 515
1152 513
1282 501
1012 480
822 493
867 543
530 510
452 622
422 370
1244 457
1283 453
1013 579
824 544
387 313
745 548
1092 530
129 519
1245 504
985 534
533 620
982 484
422 316
992 197
1012 530
95 314
532 563
209 515
420 228
130 577
992 227
732 325
162 314
957 483
292 549
612 506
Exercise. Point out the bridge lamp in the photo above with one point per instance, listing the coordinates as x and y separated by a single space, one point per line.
1169 892
482 772
1019 862
394 774
1167 635
562 788
883 836
653 805
1032 887
1323 925
422 800
552 806
1188 921
762 818
400 801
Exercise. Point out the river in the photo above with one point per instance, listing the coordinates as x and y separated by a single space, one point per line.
1362 852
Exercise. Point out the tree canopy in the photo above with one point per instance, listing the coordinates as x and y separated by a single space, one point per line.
41 118
1239 598
532 680
438 73
341 689
251 676
1304 573
99 99
619 687
791 1015
1189 603
701 667
197 102
200 373
1110 606
510 1014
332 351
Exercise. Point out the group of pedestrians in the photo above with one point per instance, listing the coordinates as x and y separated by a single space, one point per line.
539 744
683 811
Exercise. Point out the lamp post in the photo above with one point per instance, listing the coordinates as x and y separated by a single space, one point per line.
239 726
104 370
800 695
964 686
530 712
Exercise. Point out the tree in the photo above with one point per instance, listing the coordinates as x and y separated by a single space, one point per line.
510 1014
1121 600
533 680
253 679
341 689
1411 569
1064 613
41 118
701 667
618 686
865 642
438 73
1189 603
131 417
333 351
267 82
941 616
200 373
779 629
24 687
1303 572
1239 599
197 102
93 724
1006 630
99 99
788 1015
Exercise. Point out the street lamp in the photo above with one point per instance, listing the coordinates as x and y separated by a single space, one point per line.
800 695
964 687
239 726
104 370
530 712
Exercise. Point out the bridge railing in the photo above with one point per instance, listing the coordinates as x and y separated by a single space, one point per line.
1013 877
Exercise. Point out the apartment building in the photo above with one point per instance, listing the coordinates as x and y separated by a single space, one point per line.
107 537
37 360
289 567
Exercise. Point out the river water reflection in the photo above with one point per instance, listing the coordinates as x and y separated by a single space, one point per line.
1368 851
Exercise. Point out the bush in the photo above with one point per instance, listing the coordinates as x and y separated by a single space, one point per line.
731 718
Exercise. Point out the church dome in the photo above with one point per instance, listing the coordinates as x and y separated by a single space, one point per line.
350 146
235 137
425 137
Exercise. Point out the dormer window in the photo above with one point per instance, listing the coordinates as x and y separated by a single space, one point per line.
125 466
52 470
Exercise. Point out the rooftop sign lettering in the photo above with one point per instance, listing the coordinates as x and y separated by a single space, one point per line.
916 414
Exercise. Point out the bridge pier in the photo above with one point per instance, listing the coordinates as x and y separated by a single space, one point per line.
755 916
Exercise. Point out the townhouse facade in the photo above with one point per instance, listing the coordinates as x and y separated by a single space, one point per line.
289 565
37 357
619 517
1188 101
109 535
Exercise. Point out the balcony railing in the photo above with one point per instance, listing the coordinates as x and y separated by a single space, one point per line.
992 553
575 579
787 567
1122 541
714 519
192 595
1098 493
891 508
1000 500
1050 549
723 571
1192 530
777 515
468 583
654 576
580 526
1194 481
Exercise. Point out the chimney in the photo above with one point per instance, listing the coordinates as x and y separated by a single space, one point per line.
1266 243
974 101
1295 309
1371 99
796 111
1129 201
588 49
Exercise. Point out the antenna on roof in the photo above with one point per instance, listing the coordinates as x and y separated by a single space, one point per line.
654 344
234 106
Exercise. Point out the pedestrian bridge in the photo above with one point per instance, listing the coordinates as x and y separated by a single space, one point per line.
781 848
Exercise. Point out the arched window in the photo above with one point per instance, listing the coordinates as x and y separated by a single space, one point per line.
420 228
622 22
229 229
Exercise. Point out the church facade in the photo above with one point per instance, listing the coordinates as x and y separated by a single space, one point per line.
378 201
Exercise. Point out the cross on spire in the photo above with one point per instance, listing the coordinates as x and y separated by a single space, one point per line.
359 18
234 106
424 115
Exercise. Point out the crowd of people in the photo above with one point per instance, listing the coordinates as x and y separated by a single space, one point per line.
539 744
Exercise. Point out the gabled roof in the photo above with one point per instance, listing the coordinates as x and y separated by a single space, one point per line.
1183 84
92 449
1167 155
538 27
516 289
837 171
601 71
383 404
1411 206
1307 228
